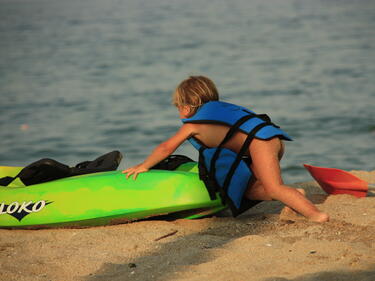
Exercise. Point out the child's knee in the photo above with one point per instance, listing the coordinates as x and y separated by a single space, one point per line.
255 191
273 191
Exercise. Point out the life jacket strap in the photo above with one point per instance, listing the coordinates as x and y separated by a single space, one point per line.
241 153
204 175
228 136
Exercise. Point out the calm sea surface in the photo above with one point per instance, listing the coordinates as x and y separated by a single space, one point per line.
84 77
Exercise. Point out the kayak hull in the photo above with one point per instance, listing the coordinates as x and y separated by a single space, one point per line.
103 198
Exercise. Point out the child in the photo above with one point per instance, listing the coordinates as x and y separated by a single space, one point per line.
224 134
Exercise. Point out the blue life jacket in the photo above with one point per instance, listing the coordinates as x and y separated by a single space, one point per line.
221 169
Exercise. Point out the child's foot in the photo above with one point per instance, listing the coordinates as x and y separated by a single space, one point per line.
289 214
320 217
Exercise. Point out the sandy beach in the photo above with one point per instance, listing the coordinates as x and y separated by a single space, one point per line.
262 244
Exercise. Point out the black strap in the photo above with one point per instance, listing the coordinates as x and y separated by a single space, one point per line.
233 129
228 136
240 154
208 177
204 175
172 162
267 119
5 181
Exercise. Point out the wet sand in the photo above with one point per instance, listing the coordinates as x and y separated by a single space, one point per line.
262 244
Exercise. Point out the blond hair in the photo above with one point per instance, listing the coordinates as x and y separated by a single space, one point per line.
194 92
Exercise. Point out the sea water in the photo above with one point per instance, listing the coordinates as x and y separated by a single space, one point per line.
79 78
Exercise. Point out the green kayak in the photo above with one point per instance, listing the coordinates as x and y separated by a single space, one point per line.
104 198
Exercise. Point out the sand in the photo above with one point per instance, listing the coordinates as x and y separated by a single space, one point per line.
262 244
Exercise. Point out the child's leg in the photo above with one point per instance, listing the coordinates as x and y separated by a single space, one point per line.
256 191
266 168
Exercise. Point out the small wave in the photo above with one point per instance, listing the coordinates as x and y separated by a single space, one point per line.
348 72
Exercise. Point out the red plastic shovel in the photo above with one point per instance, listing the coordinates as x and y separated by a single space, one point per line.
336 181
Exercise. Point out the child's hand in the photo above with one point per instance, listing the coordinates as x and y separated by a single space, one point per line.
135 170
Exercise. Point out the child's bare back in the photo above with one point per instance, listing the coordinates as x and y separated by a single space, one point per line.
212 135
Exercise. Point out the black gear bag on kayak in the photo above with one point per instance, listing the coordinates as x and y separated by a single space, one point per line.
46 169
172 162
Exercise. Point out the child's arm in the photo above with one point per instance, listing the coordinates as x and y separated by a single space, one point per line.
162 151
